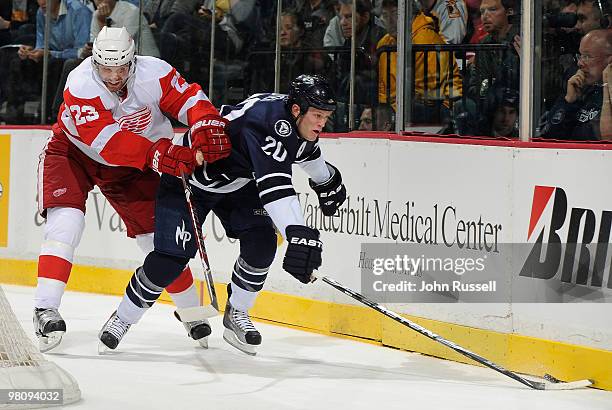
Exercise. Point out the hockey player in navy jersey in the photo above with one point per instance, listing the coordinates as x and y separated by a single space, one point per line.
251 192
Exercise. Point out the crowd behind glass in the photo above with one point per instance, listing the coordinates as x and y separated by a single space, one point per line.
465 57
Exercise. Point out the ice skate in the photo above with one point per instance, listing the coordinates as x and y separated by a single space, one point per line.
111 333
239 330
49 327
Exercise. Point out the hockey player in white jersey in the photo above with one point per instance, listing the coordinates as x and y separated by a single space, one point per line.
250 192
112 132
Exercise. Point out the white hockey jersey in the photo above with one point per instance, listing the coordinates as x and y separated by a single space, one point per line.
120 132
453 19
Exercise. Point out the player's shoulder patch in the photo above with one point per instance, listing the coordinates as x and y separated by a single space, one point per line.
282 128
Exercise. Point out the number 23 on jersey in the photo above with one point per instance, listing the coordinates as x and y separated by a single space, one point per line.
83 114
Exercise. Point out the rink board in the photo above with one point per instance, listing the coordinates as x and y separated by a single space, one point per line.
493 183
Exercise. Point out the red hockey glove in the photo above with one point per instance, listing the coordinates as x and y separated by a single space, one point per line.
208 136
171 159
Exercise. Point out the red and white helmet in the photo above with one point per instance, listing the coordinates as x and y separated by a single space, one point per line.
113 47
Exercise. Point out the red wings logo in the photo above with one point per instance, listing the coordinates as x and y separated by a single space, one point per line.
136 122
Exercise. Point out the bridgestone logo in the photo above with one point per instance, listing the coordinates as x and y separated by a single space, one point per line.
580 234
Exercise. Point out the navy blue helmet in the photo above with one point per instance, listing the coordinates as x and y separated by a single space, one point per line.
311 91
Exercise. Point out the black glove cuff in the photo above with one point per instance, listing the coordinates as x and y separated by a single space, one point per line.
301 231
334 181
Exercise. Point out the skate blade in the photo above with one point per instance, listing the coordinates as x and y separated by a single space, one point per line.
203 342
231 338
49 341
104 349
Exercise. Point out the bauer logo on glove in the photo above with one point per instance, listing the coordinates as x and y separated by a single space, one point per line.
212 123
171 159
208 136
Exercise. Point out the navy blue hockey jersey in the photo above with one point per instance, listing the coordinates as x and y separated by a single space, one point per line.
265 144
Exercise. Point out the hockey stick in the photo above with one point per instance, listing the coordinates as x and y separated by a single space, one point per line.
199 312
553 383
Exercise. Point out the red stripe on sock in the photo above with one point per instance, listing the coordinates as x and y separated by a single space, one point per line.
53 267
182 283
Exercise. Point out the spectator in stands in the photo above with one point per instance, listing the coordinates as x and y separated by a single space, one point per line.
577 115
502 113
333 33
387 63
475 32
385 118
432 97
494 68
17 19
70 22
185 38
114 13
365 119
559 47
606 107
316 15
452 18
590 15
111 13
17 26
5 23
491 69
157 12
437 81
368 33
292 38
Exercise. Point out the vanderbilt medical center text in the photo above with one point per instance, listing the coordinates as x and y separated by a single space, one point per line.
442 224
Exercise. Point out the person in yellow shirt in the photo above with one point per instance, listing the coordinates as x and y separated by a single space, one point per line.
432 94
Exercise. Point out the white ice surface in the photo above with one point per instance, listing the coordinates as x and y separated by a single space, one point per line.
157 367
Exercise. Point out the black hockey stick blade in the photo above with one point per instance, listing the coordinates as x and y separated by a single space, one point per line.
459 349
210 284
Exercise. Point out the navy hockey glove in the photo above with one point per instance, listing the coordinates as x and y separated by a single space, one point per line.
303 253
208 136
171 159
331 193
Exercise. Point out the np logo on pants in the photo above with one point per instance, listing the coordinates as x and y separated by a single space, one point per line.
182 236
